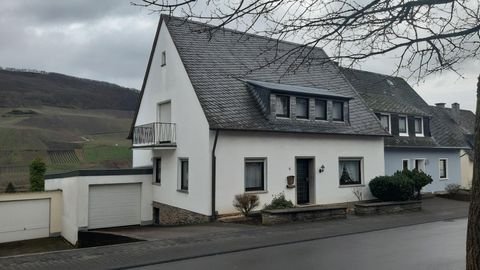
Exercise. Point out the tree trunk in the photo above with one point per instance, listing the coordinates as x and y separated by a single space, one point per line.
473 232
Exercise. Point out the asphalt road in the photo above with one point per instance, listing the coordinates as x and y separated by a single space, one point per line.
432 246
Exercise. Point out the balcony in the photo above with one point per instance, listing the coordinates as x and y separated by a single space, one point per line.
153 135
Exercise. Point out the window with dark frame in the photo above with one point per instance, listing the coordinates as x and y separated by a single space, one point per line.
301 108
337 111
282 108
255 174
420 164
418 126
320 109
164 58
184 174
443 168
385 121
158 170
350 171
402 125
405 164
156 216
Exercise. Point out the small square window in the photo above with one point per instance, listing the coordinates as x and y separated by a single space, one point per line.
337 112
164 58
302 108
402 126
443 168
282 108
158 170
350 171
320 109
418 126
184 174
255 174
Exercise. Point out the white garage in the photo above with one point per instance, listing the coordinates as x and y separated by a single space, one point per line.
114 205
23 220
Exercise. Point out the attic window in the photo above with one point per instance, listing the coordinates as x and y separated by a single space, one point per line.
283 106
164 58
337 112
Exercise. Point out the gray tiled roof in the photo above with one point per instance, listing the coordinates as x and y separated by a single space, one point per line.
218 60
391 94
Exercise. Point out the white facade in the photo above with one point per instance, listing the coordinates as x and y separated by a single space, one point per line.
75 192
170 83
281 151
466 169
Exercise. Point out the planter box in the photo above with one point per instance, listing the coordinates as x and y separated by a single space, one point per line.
313 213
380 208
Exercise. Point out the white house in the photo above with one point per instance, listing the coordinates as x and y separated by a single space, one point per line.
223 113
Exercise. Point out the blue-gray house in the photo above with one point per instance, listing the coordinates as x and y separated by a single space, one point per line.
423 136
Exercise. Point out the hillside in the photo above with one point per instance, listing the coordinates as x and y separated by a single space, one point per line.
71 123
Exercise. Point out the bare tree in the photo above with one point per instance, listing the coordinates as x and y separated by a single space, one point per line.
425 36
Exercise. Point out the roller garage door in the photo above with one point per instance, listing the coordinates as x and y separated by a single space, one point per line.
21 220
114 205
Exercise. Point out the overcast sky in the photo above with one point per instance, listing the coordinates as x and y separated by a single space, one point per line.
110 40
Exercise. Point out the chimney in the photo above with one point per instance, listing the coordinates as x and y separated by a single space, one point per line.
456 112
440 105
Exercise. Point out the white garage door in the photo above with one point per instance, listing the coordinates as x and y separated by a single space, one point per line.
21 220
114 205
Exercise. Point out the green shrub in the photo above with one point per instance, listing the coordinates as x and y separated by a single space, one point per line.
245 203
37 175
419 178
10 188
279 202
392 188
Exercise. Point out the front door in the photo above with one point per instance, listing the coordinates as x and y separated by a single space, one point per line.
302 181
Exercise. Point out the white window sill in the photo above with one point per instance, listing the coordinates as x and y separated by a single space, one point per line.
350 186
419 135
182 191
256 192
403 134
443 179
156 184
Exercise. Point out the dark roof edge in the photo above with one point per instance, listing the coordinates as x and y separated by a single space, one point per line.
147 72
428 147
300 132
100 172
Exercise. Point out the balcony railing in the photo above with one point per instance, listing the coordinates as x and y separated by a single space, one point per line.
154 134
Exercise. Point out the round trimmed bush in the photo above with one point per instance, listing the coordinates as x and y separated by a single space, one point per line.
392 188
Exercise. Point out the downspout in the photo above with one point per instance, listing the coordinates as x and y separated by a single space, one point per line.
214 175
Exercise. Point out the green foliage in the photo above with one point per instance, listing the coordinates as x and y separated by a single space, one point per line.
419 178
279 202
10 188
37 175
392 188
245 203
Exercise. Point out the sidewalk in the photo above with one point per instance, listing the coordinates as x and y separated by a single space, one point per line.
225 241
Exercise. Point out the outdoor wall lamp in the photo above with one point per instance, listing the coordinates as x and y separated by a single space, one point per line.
322 168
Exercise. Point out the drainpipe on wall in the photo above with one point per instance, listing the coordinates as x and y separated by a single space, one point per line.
214 175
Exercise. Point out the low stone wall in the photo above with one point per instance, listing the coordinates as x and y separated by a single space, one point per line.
380 208
171 215
314 213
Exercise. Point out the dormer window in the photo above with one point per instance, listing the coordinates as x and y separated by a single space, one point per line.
320 109
301 108
337 111
418 126
402 126
282 108
385 121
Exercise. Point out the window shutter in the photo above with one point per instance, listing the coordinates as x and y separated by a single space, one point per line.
394 124
411 126
426 127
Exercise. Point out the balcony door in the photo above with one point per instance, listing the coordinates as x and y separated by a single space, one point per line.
163 129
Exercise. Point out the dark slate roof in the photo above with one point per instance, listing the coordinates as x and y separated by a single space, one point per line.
391 94
288 88
218 61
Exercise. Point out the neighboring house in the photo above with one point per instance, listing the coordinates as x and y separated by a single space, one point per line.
423 137
213 125
463 123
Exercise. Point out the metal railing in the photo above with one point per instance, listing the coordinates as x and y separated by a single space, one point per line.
153 134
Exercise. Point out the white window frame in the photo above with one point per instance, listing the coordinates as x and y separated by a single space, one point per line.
424 163
389 121
179 180
408 163
362 178
406 126
422 134
265 164
446 168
